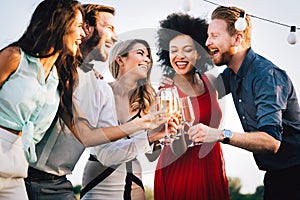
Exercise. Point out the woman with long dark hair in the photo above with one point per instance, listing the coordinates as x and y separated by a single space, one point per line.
30 69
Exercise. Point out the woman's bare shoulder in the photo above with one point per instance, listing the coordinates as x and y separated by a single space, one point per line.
10 55
9 61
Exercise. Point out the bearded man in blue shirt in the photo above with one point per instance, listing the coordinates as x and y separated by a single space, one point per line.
266 103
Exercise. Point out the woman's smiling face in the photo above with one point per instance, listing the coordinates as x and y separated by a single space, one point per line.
72 39
183 54
137 60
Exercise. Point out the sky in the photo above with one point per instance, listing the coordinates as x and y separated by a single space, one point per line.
135 18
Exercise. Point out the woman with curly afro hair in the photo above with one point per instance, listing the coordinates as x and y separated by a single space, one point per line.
184 170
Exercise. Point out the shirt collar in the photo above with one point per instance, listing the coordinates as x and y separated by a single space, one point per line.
249 58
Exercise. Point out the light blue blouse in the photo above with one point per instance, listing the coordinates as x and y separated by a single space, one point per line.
28 102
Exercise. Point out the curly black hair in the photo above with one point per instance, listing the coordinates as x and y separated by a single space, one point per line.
177 24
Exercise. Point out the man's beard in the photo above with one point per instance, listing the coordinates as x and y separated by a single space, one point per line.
224 59
95 52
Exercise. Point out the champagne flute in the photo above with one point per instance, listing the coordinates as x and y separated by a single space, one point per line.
176 105
166 103
188 115
176 108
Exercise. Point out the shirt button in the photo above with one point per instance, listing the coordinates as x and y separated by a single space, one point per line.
240 100
243 117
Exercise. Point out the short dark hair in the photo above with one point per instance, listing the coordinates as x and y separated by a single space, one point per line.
92 10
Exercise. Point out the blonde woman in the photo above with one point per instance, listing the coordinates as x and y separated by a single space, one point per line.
130 63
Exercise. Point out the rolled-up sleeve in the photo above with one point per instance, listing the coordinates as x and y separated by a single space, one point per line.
271 94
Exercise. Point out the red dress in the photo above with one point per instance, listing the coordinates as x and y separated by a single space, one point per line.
200 172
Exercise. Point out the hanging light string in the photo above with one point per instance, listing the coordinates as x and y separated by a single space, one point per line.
292 38
253 16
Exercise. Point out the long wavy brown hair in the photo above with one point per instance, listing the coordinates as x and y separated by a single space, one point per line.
144 95
50 21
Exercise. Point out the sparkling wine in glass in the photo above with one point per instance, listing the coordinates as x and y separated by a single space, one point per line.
188 114
176 106
166 103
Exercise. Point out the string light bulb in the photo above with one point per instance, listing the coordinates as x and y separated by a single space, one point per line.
292 37
187 5
241 23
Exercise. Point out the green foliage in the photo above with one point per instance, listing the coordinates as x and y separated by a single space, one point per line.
234 186
76 190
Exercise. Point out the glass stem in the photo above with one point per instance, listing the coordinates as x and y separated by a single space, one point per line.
166 130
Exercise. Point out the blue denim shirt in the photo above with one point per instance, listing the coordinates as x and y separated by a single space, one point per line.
266 100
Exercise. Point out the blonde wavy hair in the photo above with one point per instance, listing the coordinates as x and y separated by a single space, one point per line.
144 95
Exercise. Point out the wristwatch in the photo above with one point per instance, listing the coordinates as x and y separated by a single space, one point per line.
227 135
